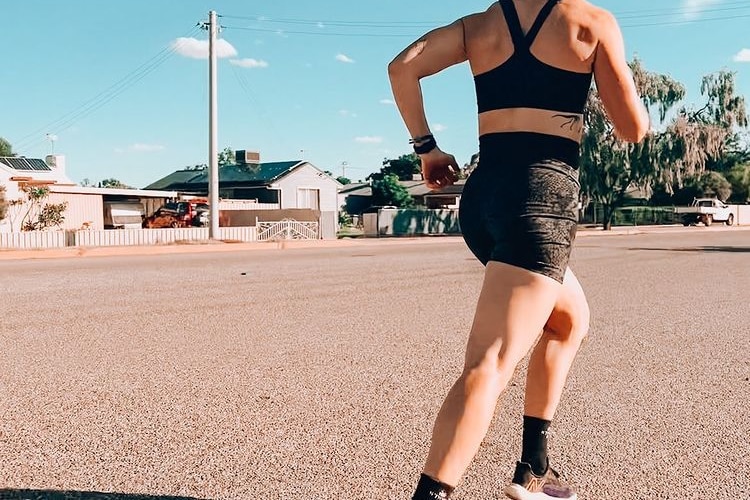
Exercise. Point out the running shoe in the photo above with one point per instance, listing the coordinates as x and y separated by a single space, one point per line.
528 486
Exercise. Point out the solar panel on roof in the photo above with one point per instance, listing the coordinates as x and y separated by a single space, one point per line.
26 164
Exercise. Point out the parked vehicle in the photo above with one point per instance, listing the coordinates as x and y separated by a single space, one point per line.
123 215
192 213
707 211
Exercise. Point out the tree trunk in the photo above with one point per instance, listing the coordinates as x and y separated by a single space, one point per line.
609 213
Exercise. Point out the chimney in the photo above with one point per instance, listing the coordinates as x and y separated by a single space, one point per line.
55 162
243 157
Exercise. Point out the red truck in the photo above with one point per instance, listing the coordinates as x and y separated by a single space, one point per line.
191 213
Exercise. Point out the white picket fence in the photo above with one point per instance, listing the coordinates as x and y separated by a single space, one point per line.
33 239
120 237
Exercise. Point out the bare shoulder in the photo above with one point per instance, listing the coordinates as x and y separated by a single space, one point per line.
598 20
480 25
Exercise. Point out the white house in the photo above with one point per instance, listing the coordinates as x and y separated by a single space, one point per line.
284 185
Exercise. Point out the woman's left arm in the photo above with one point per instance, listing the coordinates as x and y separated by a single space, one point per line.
434 52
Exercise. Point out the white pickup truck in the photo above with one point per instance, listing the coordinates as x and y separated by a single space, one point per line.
707 211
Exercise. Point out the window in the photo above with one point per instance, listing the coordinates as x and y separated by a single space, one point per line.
308 198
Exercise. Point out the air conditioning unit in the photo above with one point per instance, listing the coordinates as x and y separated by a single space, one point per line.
243 157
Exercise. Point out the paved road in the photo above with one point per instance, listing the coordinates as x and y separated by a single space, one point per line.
317 373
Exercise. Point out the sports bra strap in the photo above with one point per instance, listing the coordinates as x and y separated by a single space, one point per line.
543 15
514 24
521 40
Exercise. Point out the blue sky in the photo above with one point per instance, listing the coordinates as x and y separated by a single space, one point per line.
301 80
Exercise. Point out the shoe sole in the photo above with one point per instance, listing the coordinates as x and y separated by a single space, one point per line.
518 492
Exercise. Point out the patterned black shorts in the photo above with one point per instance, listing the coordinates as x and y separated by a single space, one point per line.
522 208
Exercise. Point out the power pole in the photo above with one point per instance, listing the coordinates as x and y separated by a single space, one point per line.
213 133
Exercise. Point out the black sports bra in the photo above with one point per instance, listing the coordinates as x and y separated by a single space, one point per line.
523 81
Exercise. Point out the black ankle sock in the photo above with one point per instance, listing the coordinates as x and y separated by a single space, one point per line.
429 489
534 450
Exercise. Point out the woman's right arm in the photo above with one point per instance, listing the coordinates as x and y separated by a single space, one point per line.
615 84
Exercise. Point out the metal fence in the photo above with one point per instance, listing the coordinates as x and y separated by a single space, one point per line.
288 229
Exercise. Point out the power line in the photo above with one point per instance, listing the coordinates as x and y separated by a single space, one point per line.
105 96
676 23
247 88
321 33
402 35
630 15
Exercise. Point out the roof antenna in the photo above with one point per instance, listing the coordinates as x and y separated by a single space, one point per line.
52 138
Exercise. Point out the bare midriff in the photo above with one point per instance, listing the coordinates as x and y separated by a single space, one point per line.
540 121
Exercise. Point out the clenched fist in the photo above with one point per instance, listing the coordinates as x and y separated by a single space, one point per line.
439 169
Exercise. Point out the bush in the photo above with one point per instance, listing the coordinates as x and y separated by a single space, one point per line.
3 203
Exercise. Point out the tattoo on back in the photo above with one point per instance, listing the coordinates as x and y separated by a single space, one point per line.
572 122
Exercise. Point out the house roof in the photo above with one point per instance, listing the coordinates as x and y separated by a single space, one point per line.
357 189
179 177
25 164
139 193
263 173
415 188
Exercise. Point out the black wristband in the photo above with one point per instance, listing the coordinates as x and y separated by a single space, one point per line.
425 147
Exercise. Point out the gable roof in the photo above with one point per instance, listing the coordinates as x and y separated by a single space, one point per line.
261 174
179 177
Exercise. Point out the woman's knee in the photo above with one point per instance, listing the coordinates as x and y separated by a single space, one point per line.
570 322
492 372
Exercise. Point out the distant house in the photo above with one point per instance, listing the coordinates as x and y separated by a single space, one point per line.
284 185
357 198
86 206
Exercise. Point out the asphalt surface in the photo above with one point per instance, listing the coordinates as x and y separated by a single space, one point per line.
317 373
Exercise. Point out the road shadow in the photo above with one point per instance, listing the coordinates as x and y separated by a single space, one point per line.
11 494
699 249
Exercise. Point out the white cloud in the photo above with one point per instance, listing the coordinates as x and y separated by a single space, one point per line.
389 102
742 56
439 127
198 49
249 63
347 113
321 25
344 59
693 8
368 139
140 147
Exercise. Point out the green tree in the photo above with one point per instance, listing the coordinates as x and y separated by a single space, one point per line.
404 167
739 178
113 184
714 185
665 159
5 148
227 157
386 190
609 166
343 180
